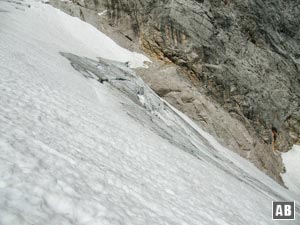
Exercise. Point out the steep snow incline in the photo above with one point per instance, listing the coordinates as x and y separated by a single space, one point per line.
291 160
77 151
40 25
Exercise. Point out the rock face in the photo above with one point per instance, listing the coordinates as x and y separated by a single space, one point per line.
232 66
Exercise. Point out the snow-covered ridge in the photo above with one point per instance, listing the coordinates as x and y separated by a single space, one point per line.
65 32
84 141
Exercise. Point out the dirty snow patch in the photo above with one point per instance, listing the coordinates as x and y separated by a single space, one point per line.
291 160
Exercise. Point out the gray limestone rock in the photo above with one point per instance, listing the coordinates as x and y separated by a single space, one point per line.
232 66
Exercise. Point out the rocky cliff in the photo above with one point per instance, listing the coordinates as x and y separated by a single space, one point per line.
233 65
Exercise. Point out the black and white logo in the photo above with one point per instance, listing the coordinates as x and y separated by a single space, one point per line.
283 210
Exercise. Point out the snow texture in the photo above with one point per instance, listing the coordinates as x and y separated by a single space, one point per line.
84 141
291 177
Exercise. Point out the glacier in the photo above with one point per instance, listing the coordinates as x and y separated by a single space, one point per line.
83 140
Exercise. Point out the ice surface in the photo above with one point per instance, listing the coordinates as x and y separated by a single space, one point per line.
77 151
291 160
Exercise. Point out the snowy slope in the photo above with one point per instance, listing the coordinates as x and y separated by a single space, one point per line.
77 151
291 160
